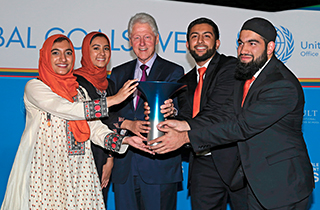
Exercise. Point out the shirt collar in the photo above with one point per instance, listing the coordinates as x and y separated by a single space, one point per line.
205 65
260 70
149 63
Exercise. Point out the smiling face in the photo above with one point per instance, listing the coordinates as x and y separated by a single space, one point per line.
61 57
100 51
143 41
252 46
253 53
202 43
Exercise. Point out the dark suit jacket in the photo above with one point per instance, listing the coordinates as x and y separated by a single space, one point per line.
218 85
158 169
268 132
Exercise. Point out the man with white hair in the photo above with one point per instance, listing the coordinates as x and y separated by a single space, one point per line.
143 181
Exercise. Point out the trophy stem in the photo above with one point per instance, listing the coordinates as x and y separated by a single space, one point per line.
154 132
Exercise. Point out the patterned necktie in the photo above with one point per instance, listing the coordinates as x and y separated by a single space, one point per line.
197 92
143 78
246 88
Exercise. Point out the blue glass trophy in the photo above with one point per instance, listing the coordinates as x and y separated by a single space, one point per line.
156 92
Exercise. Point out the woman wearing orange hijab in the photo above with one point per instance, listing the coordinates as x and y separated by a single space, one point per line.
92 76
53 167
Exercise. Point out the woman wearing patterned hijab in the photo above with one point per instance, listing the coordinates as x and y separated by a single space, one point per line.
53 167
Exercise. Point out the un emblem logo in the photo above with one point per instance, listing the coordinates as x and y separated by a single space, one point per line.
284 44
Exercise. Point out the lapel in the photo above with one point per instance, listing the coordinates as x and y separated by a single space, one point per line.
211 72
129 71
191 81
156 70
259 81
128 74
238 92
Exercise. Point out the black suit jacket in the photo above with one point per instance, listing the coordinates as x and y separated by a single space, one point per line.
218 85
268 132
158 169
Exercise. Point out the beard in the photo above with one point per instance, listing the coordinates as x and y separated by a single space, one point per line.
245 71
204 57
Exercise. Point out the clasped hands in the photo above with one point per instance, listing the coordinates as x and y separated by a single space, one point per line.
140 127
175 131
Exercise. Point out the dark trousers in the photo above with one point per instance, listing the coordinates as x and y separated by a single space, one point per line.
208 191
254 204
135 194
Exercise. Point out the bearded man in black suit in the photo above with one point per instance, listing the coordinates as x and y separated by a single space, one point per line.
265 122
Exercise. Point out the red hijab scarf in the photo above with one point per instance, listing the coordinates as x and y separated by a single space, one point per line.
63 85
95 75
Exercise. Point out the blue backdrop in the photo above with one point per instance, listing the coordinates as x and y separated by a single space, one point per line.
13 120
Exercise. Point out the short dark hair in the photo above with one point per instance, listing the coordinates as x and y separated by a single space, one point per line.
60 39
98 35
203 20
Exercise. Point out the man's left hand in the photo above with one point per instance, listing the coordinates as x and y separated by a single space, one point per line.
170 141
167 108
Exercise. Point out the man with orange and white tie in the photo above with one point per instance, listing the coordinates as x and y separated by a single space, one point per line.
211 171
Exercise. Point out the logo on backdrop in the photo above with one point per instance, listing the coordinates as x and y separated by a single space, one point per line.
119 39
284 44
316 171
310 116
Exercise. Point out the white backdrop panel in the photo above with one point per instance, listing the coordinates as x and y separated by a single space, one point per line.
25 24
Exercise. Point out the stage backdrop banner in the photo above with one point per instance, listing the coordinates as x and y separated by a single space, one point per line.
24 26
